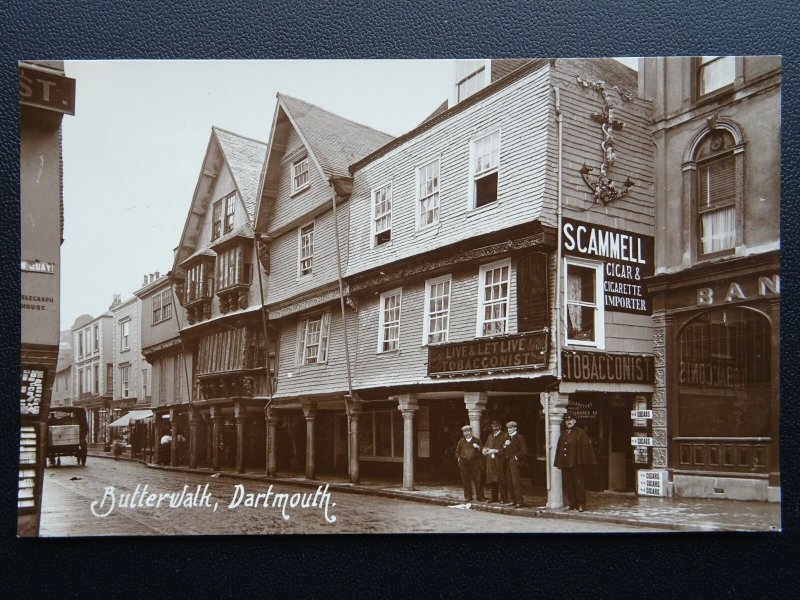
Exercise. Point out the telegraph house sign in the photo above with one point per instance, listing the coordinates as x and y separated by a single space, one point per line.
628 259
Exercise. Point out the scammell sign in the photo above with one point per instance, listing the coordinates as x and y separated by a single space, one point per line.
503 353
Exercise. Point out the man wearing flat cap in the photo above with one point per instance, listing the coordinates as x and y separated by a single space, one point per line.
495 462
573 452
468 455
516 457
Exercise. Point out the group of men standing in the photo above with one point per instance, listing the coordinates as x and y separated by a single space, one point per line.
505 454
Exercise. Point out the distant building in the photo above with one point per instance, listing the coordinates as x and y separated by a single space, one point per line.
131 372
716 291
62 386
92 372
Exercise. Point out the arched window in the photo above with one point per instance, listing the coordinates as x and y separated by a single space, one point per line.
715 194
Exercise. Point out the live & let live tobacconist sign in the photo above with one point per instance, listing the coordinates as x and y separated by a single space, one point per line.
506 353
627 257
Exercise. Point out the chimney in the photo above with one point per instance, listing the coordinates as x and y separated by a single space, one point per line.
117 301
151 278
144 283
158 275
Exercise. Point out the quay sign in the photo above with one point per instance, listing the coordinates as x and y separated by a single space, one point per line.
502 353
628 258
606 367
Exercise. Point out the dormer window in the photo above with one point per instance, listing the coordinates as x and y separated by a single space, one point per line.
216 220
300 175
230 208
470 77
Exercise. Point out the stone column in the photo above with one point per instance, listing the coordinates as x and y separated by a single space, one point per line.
216 426
173 431
310 412
476 404
407 403
241 430
554 403
273 420
194 419
353 413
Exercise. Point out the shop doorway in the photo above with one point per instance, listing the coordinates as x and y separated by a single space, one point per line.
607 421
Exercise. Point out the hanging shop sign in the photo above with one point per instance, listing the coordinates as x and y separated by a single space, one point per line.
639 440
652 483
628 258
502 353
641 455
605 367
641 414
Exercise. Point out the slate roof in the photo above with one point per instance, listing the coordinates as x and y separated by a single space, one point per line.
336 142
245 157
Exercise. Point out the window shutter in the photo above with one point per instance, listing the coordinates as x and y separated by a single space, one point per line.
718 182
323 337
532 293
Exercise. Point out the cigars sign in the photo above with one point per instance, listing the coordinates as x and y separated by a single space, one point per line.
502 353
627 257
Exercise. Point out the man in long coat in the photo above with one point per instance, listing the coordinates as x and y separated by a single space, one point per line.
516 457
573 453
468 455
495 462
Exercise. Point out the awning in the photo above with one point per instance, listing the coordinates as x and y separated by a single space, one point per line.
134 415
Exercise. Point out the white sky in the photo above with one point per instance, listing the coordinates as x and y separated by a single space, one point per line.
133 150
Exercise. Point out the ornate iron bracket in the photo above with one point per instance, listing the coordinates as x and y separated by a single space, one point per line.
603 187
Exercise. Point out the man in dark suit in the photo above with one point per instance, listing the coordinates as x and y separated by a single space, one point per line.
573 452
468 455
516 455
495 462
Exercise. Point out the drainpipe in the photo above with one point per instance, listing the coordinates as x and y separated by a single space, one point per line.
557 328
257 240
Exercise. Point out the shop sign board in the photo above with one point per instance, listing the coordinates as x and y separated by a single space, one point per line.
641 455
628 259
43 89
606 367
641 414
501 353
652 482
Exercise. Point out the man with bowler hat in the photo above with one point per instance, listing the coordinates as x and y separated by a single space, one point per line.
468 455
516 454
495 462
573 452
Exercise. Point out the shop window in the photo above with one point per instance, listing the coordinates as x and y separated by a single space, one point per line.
485 162
428 194
471 76
584 304
382 215
437 310
381 435
493 289
389 321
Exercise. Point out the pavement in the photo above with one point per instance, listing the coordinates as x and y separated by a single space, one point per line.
673 513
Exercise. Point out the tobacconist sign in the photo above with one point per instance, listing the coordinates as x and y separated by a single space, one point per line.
606 367
628 259
502 353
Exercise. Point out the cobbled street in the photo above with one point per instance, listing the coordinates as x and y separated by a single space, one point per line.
69 491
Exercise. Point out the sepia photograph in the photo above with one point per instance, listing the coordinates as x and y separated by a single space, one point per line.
512 295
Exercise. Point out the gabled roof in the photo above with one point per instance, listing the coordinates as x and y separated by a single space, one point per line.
245 158
335 142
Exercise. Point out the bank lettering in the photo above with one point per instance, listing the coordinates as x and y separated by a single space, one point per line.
766 286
